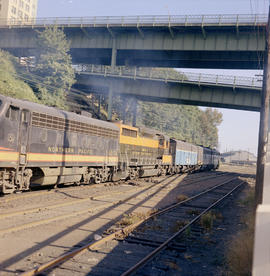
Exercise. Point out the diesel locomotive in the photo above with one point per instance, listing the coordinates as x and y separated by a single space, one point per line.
42 145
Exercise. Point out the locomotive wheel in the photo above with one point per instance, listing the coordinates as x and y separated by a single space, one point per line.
97 179
163 172
133 174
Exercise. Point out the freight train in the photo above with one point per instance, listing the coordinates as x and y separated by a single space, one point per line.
41 145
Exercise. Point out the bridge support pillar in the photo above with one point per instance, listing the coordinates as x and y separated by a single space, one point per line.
113 64
124 107
134 117
99 106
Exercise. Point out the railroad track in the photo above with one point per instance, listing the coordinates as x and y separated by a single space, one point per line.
49 191
137 247
88 203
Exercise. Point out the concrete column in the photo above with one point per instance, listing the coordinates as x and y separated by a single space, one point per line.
134 118
124 107
99 105
266 179
114 53
113 64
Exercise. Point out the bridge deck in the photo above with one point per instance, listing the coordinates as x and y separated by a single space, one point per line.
182 77
146 20
241 93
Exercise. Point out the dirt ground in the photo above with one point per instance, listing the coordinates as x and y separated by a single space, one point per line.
207 256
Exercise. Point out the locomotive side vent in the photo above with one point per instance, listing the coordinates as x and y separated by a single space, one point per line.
51 122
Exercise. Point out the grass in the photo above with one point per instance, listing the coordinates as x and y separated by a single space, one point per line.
240 254
240 250
193 212
181 197
173 265
207 220
178 225
248 201
132 218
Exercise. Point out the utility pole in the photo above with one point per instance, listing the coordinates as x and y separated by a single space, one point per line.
264 122
261 252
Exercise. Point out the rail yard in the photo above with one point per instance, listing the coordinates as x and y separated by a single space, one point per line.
107 164
40 226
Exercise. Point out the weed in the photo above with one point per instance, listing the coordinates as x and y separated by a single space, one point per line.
132 218
240 250
249 199
181 197
217 214
193 212
188 232
240 254
173 265
178 225
207 221
188 257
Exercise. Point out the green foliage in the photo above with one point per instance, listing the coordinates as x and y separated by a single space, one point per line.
53 64
10 84
182 122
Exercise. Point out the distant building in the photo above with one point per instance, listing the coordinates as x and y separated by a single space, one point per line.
239 157
18 11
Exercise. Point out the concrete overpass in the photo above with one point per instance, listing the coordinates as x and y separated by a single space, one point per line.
186 88
204 41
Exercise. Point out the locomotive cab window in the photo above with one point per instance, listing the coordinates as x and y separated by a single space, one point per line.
161 142
25 116
13 113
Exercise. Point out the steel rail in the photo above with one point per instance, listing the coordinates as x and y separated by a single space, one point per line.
149 257
121 232
85 199
142 21
76 213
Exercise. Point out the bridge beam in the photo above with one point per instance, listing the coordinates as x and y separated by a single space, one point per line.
192 94
187 47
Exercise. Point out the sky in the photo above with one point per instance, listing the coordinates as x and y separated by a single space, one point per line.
239 129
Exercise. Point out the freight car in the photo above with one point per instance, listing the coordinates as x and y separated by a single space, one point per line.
189 157
41 145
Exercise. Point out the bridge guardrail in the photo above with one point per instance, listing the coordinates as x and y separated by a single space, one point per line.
145 20
160 74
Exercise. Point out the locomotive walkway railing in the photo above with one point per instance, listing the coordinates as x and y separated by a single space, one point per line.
159 74
145 20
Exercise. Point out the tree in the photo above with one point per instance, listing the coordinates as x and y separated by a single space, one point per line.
10 83
53 65
210 120
182 122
